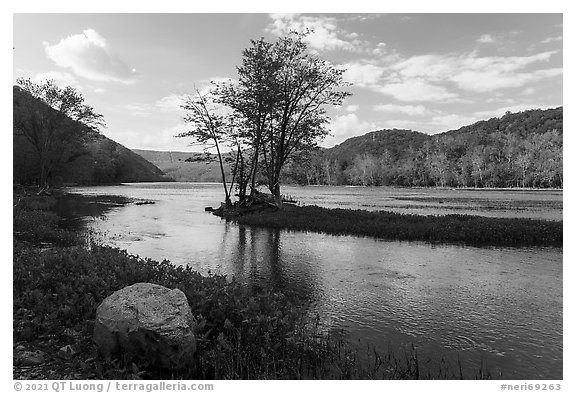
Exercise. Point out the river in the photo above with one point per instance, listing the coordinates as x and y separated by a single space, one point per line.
500 307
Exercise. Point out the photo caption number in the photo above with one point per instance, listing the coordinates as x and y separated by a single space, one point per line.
36 386
547 386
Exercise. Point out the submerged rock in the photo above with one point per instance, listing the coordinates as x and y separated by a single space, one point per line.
148 321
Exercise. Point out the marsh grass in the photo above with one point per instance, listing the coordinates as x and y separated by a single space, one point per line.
454 229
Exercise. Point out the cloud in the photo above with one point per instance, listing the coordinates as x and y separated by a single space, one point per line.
325 34
170 103
90 56
552 39
206 86
173 102
412 110
62 79
468 72
401 124
380 49
166 139
363 75
491 79
528 91
485 39
447 77
417 90
163 139
351 108
345 126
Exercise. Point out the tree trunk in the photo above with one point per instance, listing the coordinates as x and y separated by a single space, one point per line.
228 201
277 195
254 169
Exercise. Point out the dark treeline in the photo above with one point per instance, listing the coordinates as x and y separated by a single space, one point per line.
51 149
517 150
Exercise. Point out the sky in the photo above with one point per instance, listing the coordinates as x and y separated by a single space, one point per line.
425 72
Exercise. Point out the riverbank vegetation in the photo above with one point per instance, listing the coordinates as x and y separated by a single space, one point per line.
460 229
243 332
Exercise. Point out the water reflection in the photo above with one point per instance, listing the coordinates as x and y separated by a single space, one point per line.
257 257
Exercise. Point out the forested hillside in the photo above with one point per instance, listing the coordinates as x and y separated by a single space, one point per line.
182 166
76 154
517 150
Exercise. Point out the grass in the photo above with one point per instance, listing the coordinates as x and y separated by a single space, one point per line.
243 332
459 229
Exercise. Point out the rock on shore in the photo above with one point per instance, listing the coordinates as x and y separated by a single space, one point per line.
147 321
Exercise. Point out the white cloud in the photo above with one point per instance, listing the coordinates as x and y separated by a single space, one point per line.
412 110
325 35
552 39
170 103
380 49
417 90
345 126
470 72
401 124
163 139
363 75
444 77
485 39
90 56
490 79
62 79
431 67
529 91
351 108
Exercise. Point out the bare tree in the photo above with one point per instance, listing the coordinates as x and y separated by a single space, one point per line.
209 128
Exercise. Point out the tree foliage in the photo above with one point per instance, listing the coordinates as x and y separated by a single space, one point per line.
278 104
47 140
517 150
52 133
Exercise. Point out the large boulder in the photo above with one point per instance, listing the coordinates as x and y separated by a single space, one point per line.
148 321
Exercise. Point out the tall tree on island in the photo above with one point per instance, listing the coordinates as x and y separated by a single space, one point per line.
252 99
282 94
54 134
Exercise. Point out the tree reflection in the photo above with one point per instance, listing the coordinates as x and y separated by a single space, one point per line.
266 258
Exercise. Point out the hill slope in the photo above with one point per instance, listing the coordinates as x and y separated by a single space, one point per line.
516 150
182 166
83 156
521 149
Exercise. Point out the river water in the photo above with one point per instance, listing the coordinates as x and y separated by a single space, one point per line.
497 307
